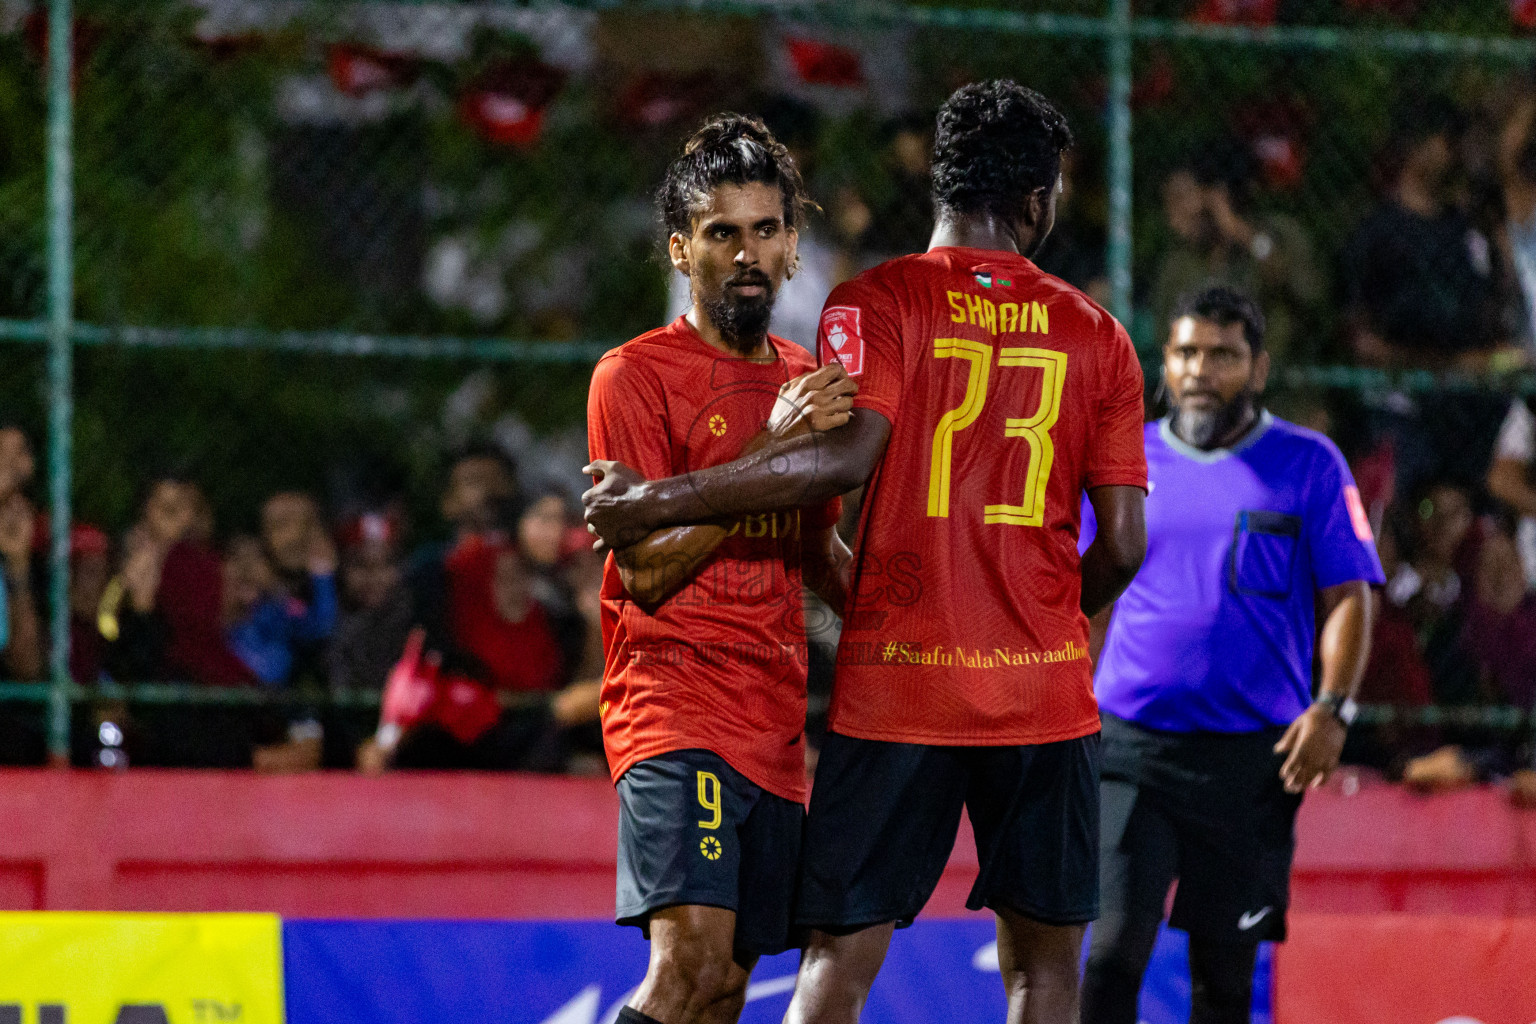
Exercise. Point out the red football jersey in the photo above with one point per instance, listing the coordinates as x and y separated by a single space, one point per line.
1009 392
721 664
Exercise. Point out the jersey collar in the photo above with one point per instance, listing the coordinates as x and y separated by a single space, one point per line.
1259 429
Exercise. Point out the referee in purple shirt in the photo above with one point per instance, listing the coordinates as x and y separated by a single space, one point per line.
1211 730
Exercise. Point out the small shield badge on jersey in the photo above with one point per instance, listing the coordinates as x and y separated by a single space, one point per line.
841 338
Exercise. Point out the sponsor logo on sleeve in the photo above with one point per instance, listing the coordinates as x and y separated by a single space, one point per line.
843 339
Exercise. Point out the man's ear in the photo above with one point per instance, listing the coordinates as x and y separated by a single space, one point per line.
677 249
792 265
1035 206
1260 372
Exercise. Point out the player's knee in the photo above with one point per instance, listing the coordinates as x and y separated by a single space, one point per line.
727 1006
1051 974
699 973
1052 967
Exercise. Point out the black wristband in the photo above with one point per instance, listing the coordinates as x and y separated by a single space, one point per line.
1342 708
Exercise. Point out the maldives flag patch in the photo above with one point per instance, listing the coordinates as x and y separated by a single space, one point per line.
841 338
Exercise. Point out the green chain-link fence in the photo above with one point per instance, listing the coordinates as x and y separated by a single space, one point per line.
204 204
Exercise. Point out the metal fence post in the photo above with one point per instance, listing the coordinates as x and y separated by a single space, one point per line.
60 364
1118 257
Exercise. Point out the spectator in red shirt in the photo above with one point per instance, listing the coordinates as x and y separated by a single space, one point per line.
544 538
484 632
179 635
190 596
495 619
1500 629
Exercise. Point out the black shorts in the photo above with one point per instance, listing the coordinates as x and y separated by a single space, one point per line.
884 817
693 830
1208 809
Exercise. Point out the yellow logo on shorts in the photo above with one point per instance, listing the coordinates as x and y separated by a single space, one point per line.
717 425
710 847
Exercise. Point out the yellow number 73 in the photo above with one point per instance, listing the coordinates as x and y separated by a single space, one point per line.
1035 429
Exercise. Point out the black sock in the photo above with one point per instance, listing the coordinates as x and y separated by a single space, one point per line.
630 1015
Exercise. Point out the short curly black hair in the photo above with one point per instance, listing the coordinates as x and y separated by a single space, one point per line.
1224 306
996 142
729 149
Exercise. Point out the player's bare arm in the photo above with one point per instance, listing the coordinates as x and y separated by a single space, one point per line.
654 568
801 471
1315 740
1098 630
828 567
1111 561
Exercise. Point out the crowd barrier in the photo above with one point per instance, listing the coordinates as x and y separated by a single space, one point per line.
1409 910
1406 969
412 845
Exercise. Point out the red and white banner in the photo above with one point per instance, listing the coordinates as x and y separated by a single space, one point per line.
1406 969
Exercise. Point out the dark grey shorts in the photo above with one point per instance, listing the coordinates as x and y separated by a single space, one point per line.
695 831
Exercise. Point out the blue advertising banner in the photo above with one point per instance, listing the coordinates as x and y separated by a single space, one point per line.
581 972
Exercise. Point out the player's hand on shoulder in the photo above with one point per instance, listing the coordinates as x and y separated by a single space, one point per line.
819 400
612 506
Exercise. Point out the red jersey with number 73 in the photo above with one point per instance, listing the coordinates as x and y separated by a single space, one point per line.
1009 393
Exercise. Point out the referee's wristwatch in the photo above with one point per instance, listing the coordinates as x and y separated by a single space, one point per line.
1343 708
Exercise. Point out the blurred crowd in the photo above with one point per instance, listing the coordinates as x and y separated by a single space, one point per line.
1439 273
489 636
489 644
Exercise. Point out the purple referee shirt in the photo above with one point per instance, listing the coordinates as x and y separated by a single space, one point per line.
1216 632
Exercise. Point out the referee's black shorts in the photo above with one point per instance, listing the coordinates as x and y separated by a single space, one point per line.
1208 809
884 816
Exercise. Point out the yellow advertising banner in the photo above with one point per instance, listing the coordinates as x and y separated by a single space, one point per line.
62 968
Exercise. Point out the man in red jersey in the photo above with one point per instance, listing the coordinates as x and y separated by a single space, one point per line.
991 396
703 699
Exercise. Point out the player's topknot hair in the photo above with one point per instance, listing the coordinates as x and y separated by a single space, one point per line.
996 142
1224 306
729 149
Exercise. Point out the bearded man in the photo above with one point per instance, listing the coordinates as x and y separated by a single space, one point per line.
1211 731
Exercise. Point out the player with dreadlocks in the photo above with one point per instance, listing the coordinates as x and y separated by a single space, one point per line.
703 699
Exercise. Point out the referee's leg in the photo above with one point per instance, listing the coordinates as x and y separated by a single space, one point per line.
1138 858
1221 981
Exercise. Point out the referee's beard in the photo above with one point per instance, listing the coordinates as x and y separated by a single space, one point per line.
1207 428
